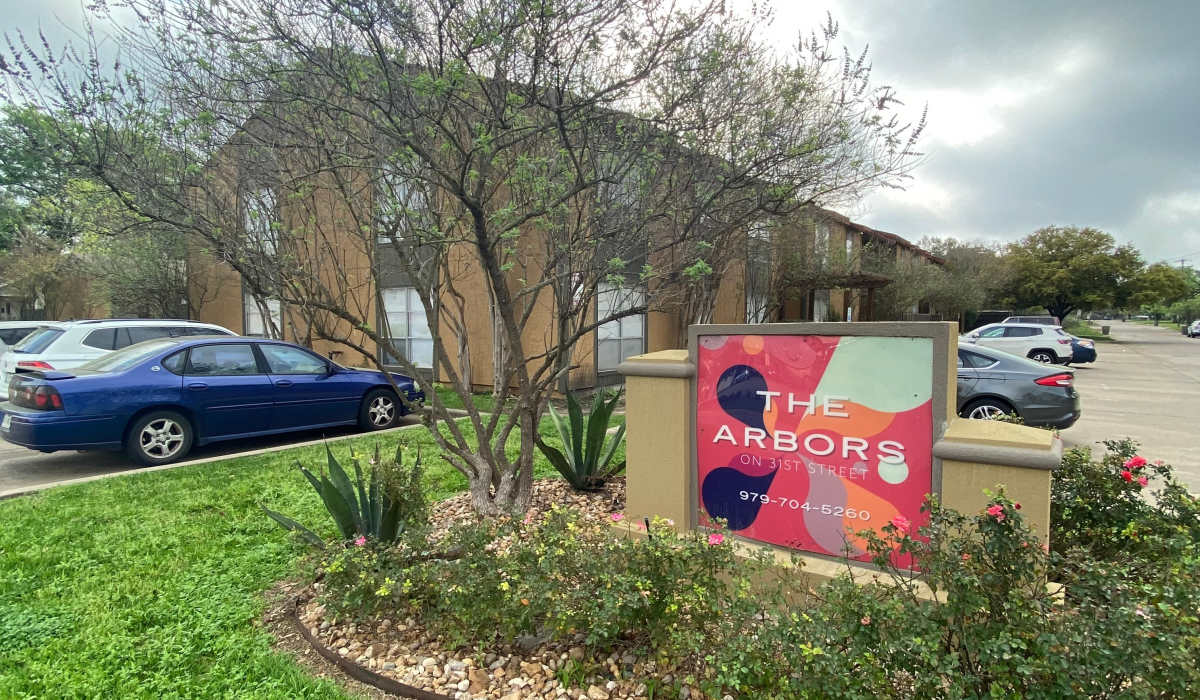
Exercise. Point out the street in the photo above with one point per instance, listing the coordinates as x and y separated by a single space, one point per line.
1146 387
1143 387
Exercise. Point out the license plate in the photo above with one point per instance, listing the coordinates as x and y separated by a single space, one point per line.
6 422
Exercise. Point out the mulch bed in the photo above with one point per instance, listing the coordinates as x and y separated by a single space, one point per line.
401 650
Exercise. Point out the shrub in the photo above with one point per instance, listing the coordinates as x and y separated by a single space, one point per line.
1101 506
588 460
379 505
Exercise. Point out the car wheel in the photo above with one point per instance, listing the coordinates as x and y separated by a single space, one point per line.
159 437
380 410
987 409
1043 356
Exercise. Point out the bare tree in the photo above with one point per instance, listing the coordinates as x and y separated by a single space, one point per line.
514 155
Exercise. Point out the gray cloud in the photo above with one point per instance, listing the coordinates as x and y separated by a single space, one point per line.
1083 113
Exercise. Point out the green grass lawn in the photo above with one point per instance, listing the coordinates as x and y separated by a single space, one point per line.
151 585
1084 330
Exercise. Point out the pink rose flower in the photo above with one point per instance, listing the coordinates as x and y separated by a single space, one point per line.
997 512
617 517
1127 475
1016 505
716 538
360 541
966 556
1135 462
1143 481
902 524
866 619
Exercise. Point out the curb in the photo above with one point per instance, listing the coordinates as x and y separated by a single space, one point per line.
26 490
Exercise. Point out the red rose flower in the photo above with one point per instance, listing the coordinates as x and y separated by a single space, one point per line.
1135 462
1126 475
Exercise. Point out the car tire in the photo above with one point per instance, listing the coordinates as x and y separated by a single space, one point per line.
380 410
159 437
987 409
1044 356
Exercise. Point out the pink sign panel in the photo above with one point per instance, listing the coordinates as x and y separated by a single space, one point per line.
804 440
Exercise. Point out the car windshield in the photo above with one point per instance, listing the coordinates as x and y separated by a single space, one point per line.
127 357
38 340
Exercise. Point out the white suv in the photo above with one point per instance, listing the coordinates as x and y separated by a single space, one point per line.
64 345
11 332
1049 344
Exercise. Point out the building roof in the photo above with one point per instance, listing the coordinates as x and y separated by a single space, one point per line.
883 236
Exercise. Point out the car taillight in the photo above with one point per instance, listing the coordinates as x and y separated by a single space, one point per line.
34 364
1056 380
1064 341
42 398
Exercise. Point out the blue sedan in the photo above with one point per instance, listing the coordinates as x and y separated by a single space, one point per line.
158 399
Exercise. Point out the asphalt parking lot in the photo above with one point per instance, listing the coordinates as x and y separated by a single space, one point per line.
1145 386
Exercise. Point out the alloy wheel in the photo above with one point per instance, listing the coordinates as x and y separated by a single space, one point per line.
382 411
986 412
161 438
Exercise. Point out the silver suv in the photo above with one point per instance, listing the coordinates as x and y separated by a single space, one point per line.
57 345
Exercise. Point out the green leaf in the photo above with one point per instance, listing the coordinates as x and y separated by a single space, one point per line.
288 524
337 506
575 414
559 462
597 428
612 449
341 482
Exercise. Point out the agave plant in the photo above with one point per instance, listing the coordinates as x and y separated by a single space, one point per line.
379 506
588 461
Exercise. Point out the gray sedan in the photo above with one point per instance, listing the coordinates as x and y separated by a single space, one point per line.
991 383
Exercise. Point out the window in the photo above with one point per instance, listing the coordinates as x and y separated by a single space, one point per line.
125 358
11 336
623 338
260 212
221 360
254 324
38 340
282 359
821 305
966 358
138 334
758 272
174 363
398 201
1021 332
821 243
407 326
103 339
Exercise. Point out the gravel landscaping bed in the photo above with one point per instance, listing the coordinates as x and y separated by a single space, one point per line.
529 668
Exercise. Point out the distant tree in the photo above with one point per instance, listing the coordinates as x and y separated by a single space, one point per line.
976 275
1068 268
1157 287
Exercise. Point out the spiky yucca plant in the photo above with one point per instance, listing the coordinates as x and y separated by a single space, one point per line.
588 461
379 506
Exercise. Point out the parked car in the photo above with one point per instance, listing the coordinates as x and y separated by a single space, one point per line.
992 383
1040 320
11 332
1048 344
1194 330
1082 351
159 398
69 344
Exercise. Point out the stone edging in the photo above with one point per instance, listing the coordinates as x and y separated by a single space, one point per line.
355 671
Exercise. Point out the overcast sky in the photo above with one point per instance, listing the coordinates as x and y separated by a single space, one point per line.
1040 113
1069 113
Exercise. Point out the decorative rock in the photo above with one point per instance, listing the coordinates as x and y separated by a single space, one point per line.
576 653
595 693
610 686
429 662
464 684
479 680
685 693
389 666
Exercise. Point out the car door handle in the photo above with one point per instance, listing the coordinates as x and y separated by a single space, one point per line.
197 386
283 382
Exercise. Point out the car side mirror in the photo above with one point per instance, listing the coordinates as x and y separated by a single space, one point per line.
330 369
